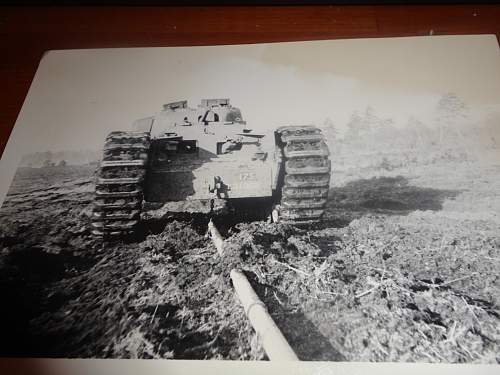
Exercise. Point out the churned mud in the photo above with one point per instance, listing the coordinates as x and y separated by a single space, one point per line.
404 268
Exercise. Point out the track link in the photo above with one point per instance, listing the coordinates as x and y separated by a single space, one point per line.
119 184
306 180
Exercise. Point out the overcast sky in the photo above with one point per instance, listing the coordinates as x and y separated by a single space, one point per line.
79 96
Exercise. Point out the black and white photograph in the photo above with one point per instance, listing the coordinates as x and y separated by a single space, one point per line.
317 201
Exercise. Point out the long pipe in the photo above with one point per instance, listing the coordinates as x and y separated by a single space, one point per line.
273 341
216 237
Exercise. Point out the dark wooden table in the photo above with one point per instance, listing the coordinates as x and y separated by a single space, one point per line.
26 32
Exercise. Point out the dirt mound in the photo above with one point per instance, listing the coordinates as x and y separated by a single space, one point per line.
373 292
163 298
404 281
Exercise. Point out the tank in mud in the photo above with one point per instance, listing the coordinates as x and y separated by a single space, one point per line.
206 159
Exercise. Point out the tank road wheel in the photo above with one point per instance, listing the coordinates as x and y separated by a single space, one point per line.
305 170
119 184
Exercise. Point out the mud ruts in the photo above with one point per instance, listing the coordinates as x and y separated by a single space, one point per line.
119 184
306 174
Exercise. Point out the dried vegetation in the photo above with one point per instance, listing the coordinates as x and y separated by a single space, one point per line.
403 269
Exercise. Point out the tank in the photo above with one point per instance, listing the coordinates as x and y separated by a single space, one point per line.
200 159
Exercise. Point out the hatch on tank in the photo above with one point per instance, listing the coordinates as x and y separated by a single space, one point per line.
214 103
181 104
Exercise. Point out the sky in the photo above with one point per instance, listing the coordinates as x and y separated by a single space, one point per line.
79 96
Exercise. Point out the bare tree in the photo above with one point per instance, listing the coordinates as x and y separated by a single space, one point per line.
330 130
490 131
359 128
451 118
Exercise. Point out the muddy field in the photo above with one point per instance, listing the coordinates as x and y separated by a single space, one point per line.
404 268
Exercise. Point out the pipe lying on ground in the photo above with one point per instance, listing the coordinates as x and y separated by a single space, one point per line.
216 238
275 216
273 341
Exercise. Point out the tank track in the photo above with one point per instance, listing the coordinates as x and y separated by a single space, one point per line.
119 184
306 174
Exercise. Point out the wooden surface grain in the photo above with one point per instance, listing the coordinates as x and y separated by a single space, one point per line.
26 32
